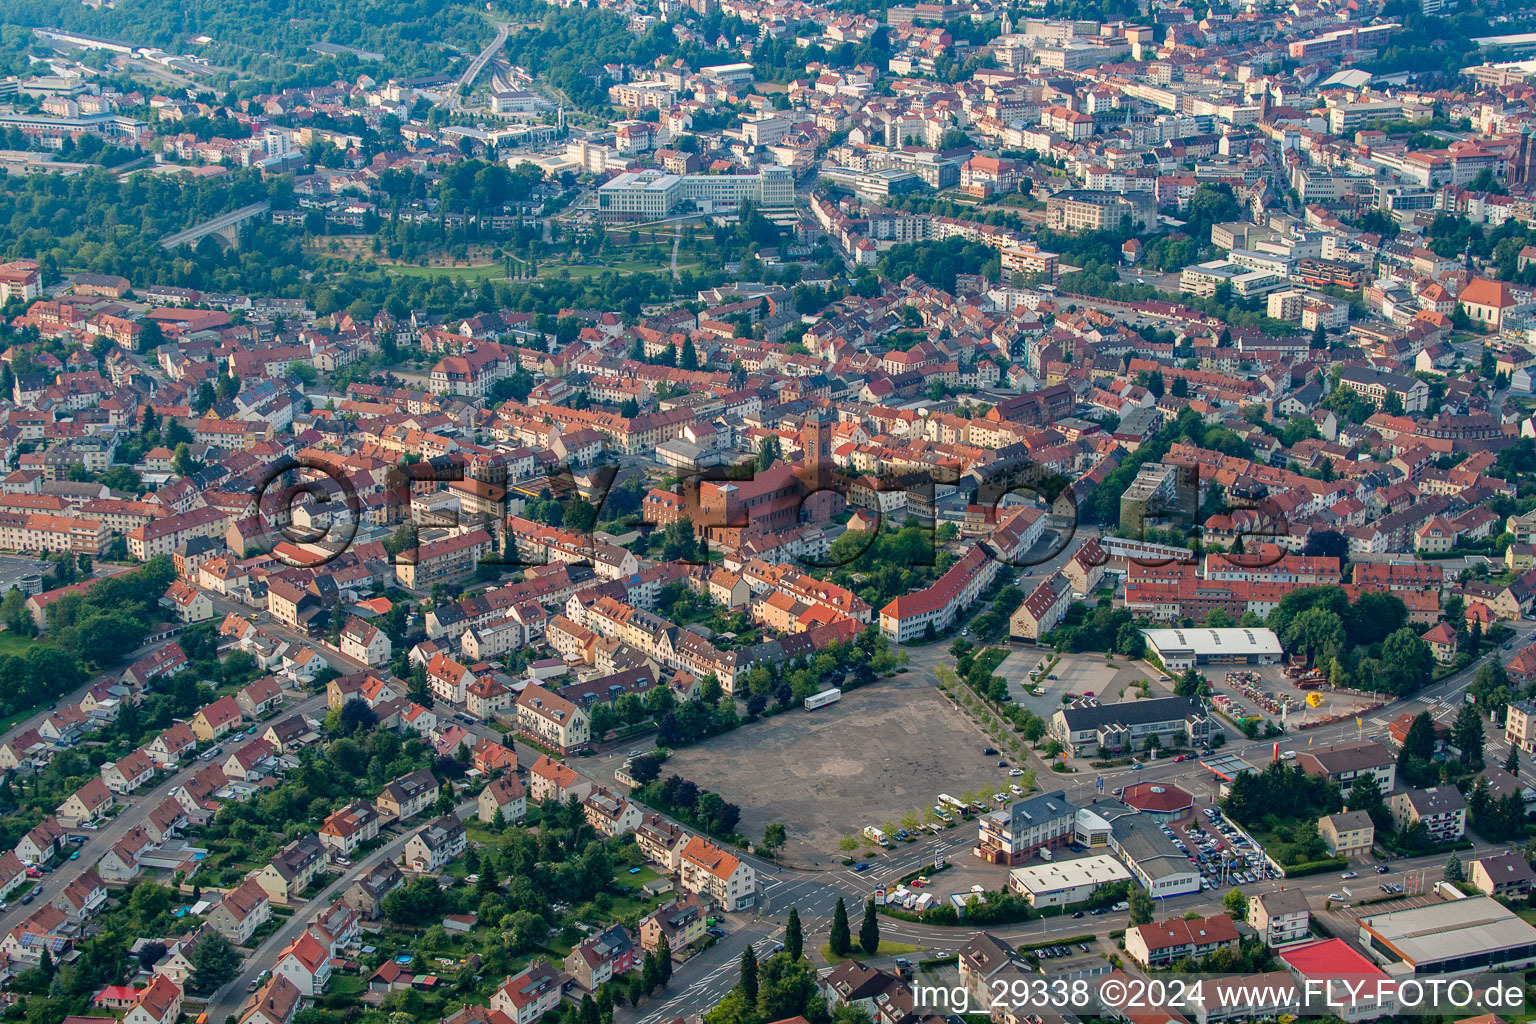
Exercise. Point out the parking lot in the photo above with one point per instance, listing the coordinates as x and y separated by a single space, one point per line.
877 754
1224 856
14 567
1074 675
1365 895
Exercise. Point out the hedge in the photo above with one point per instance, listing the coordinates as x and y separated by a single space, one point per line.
1071 940
1316 867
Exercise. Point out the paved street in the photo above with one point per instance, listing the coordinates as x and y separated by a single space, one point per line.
132 813
229 999
815 893
814 890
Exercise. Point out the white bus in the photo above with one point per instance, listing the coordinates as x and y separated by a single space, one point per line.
823 698
949 801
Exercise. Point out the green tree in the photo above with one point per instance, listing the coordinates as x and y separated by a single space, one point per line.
182 462
1236 904
14 614
748 981
1316 633
215 961
1406 662
1453 872
794 938
869 930
1141 906
1365 795
664 959
768 452
1467 734
840 939
774 837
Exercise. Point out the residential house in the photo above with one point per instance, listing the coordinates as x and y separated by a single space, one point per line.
292 870
366 895
276 1002
42 841
435 845
127 773
259 697
1347 833
214 721
349 827
1164 942
679 921
549 779
1280 916
610 814
365 643
1345 762
662 842
506 795
176 742
710 871
82 896
1442 810
305 963
601 957
1506 874
90 803
409 795
243 909
122 862
159 1002
46 928
529 994
982 960
552 721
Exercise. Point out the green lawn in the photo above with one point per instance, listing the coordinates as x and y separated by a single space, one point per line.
644 875
13 643
497 271
484 272
886 949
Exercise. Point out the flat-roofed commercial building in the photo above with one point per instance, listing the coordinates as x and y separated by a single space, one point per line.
1063 883
1451 938
651 195
1181 649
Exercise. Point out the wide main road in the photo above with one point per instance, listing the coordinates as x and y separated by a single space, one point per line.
478 64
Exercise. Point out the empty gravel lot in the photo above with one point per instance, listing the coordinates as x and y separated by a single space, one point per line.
881 751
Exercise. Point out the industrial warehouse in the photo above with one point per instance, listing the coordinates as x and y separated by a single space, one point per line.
1181 649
